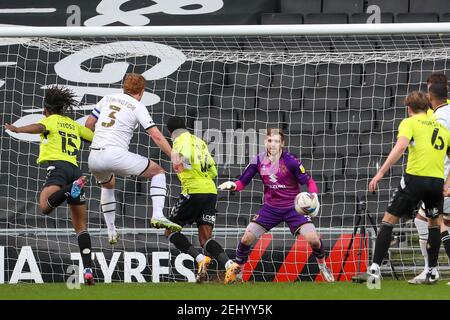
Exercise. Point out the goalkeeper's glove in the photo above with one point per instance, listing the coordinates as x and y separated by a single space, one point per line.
229 185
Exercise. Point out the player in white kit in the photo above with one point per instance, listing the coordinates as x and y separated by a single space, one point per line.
113 120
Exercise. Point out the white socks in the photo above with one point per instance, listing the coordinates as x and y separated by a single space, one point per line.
228 264
200 257
158 194
108 206
422 229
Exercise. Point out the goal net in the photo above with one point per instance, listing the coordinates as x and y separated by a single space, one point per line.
338 98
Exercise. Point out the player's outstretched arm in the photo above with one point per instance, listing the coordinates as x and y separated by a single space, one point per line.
395 154
160 141
31 128
90 122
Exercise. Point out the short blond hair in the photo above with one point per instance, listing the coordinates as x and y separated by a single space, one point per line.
417 101
133 83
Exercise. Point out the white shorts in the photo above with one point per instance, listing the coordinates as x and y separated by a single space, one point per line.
446 215
107 161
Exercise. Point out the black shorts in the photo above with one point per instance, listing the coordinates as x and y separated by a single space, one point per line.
411 191
190 208
62 173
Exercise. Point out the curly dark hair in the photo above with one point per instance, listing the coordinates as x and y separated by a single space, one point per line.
59 100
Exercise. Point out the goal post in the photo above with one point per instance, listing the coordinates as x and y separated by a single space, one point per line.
336 90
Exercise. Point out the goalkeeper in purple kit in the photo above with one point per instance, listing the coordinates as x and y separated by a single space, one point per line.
281 173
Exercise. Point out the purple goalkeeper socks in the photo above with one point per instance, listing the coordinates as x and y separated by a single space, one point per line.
242 253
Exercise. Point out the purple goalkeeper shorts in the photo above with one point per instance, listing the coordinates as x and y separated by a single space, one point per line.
269 217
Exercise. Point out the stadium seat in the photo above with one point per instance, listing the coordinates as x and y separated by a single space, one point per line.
354 43
276 99
293 77
445 17
325 99
377 143
429 6
281 18
389 6
324 166
308 121
377 204
248 74
330 142
368 98
231 171
217 118
337 208
399 92
301 6
416 17
326 18
341 6
339 75
385 74
343 185
234 97
362 166
301 145
259 120
353 120
390 119
419 71
233 18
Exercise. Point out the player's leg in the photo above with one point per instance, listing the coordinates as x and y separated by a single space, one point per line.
185 212
433 247
382 243
263 221
445 224
205 223
434 208
108 207
403 203
308 231
78 212
158 191
445 237
421 223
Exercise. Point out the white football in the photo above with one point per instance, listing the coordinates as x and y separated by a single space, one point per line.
307 204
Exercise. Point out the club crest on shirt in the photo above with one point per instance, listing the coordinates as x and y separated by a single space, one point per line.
273 178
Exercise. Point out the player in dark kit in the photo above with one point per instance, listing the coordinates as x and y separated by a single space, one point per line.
60 142
196 170
281 173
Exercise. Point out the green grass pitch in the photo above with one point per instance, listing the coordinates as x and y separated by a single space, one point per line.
398 290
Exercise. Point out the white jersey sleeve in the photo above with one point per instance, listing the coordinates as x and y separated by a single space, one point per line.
144 118
98 107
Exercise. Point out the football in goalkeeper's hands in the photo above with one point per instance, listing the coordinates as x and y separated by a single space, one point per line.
307 204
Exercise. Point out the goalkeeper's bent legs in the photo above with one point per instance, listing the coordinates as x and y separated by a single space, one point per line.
308 231
253 232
